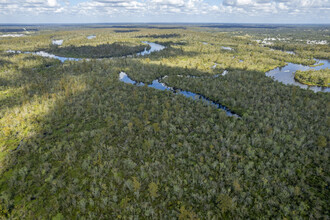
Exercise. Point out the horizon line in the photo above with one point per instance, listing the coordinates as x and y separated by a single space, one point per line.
259 23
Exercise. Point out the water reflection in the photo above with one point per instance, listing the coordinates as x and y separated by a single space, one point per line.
286 74
153 47
91 37
12 35
226 48
45 54
290 52
57 42
161 86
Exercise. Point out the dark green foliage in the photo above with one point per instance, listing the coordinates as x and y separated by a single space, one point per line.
160 36
92 147
126 31
99 51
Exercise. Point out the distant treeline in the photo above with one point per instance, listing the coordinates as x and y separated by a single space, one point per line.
160 36
150 27
244 26
125 31
140 26
17 29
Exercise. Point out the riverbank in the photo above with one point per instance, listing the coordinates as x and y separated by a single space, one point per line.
314 77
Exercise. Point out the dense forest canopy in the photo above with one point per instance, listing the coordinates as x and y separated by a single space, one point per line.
99 51
76 142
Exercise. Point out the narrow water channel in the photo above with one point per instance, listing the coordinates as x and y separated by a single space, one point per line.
153 47
156 84
282 74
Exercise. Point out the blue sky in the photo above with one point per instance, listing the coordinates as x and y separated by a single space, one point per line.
217 11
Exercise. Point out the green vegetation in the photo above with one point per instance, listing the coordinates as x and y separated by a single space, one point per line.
77 143
160 36
99 51
318 64
125 31
314 77
316 51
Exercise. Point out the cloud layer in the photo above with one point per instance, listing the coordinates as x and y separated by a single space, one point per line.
244 10
279 6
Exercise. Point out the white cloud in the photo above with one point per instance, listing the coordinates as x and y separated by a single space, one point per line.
260 7
237 2
153 8
145 7
32 7
169 2
52 3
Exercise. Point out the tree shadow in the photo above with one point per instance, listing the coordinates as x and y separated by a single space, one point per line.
100 51
125 31
83 103
170 52
4 62
94 137
155 36
147 72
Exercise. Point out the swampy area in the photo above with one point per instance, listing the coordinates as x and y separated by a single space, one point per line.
164 122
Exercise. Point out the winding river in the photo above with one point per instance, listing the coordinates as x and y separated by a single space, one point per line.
156 84
286 74
45 54
282 74
153 47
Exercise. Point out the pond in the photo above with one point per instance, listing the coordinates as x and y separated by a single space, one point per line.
154 47
91 37
57 42
286 74
226 48
156 84
290 52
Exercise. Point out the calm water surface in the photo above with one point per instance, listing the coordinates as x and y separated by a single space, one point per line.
161 86
91 37
57 42
45 54
286 74
226 48
154 47
282 74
